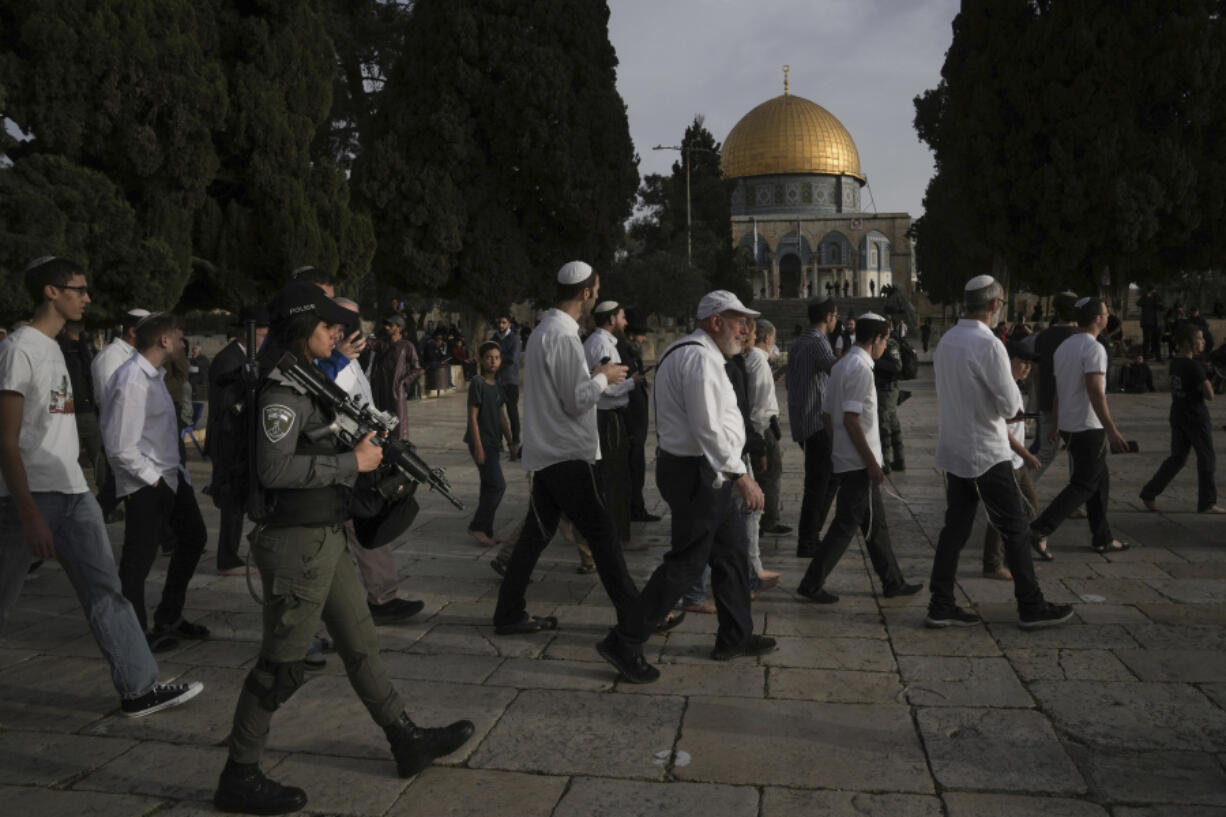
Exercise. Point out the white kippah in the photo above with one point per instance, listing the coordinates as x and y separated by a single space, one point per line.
871 316
1082 302
38 262
573 272
138 313
607 306
979 282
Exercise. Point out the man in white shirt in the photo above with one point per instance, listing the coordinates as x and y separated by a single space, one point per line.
976 393
141 436
850 418
601 347
104 364
46 509
560 450
1085 423
764 416
702 434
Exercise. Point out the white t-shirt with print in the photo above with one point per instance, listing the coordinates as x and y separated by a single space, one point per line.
32 365
1078 356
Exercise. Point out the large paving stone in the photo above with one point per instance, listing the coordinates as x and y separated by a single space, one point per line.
1192 591
834 686
997 750
1139 716
342 785
790 802
325 717
559 732
795 622
1153 777
527 673
55 694
165 770
1169 811
1111 614
959 681
479 640
1190 666
456 668
443 792
735 678
910 637
595 797
45 758
1172 613
965 804
1115 591
1069 636
1205 637
40 802
1068 665
862 654
10 657
802 744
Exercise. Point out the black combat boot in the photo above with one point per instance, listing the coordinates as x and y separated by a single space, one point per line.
416 748
244 788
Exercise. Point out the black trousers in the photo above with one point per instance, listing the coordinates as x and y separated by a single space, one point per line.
510 397
707 528
1151 340
819 489
636 456
614 468
1089 484
1003 501
149 511
1188 434
229 535
572 488
859 506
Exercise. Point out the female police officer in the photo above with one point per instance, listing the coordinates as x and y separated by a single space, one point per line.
299 547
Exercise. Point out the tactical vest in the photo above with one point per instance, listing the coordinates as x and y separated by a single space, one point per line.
325 505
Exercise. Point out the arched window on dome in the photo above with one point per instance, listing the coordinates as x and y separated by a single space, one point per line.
834 250
874 256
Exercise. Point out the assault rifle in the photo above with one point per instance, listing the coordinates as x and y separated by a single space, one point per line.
353 419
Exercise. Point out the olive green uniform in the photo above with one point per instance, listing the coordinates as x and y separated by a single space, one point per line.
300 551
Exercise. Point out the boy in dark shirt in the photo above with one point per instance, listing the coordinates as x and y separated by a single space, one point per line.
1136 377
1190 389
487 418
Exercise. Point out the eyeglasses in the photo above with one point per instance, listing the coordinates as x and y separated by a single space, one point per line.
82 290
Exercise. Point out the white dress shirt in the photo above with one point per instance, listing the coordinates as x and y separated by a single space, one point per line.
1079 355
139 428
599 345
696 411
1018 432
560 394
851 390
104 364
975 393
763 403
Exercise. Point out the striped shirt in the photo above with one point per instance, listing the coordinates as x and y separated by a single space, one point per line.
809 360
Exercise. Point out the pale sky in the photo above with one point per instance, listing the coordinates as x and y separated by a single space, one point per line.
862 60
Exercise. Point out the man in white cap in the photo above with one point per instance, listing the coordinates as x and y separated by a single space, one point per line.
560 449
701 433
600 348
850 420
976 394
1085 423
113 355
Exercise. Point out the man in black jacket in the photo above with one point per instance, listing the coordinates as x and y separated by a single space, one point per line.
630 347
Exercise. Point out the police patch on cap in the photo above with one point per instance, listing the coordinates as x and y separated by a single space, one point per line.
278 420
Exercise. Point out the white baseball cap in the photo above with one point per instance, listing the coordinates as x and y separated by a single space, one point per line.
721 300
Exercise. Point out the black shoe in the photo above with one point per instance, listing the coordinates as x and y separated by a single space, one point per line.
645 517
1049 615
806 551
396 610
952 617
754 645
244 788
903 396
416 748
774 530
161 642
632 665
898 465
162 696
181 629
903 589
819 595
885 469
500 567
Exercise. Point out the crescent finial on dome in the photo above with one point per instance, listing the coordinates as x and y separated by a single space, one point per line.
786 68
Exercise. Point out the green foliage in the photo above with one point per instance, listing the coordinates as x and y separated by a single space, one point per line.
502 149
657 237
1075 142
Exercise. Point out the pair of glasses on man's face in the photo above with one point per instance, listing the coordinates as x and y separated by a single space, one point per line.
80 290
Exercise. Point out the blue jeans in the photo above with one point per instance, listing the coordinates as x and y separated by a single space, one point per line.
493 486
84 552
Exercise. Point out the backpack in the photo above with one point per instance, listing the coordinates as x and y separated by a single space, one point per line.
910 361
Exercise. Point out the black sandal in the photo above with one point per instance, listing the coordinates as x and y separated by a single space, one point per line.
670 621
1111 547
528 624
1039 545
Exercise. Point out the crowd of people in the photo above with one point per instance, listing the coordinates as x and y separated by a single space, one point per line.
279 460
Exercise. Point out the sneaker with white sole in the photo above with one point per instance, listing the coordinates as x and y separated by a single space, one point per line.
1049 615
162 696
950 617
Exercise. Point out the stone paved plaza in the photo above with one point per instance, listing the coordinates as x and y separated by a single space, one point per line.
861 710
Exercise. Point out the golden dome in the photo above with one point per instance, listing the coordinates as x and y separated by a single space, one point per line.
789 134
